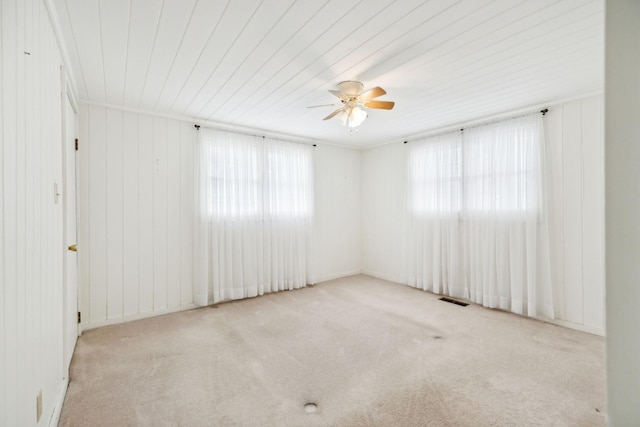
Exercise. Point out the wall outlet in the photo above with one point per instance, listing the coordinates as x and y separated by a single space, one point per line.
38 405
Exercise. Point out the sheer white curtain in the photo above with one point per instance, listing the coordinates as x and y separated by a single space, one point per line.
435 199
478 222
255 205
505 224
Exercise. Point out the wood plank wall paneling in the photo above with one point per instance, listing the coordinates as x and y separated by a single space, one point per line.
576 140
114 213
83 200
97 214
187 211
130 238
160 224
593 254
572 210
145 214
173 200
553 121
139 203
384 175
337 234
31 238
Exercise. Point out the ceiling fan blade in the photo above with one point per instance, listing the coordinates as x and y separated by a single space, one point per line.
325 105
338 94
372 93
333 114
382 105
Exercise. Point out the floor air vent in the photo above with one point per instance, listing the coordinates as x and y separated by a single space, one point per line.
452 301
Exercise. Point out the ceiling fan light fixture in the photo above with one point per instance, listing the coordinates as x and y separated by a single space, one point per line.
342 116
356 117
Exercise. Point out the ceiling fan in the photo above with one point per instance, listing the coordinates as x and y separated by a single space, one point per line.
353 100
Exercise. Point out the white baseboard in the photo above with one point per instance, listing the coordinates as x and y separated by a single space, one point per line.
124 319
578 327
382 276
328 277
57 408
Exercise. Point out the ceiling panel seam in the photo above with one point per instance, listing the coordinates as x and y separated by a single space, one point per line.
75 46
184 33
153 48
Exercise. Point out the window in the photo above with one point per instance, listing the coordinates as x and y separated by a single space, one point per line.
477 228
235 181
288 180
501 169
435 175
254 177
255 202
484 169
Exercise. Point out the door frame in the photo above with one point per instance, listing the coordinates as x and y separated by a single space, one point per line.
67 95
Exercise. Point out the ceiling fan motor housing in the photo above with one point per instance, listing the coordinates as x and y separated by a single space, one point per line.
351 88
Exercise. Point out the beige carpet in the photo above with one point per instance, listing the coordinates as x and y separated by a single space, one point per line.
366 351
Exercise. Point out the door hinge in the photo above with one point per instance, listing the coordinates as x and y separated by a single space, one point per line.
79 317
76 144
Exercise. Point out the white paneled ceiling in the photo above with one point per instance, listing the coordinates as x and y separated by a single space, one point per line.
260 63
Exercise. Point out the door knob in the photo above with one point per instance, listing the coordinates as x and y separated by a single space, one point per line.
73 248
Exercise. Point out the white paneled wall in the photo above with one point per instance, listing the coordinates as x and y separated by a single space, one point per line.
575 140
575 137
384 212
31 246
136 212
337 244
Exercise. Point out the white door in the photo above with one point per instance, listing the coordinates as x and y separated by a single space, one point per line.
70 237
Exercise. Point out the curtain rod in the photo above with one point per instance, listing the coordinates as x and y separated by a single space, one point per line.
197 126
426 135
